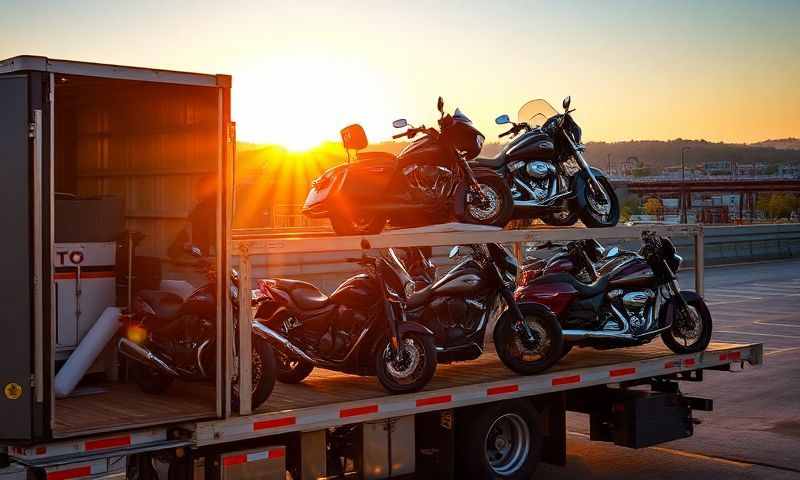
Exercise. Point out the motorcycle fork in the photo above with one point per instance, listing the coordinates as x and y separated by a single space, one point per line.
508 296
594 184
471 179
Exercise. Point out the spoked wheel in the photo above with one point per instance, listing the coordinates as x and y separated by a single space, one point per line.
503 441
292 370
525 355
597 208
691 331
263 374
493 206
411 369
360 223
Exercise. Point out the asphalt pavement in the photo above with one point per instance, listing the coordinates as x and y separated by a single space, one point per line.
754 430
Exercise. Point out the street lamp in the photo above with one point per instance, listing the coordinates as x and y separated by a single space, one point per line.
683 184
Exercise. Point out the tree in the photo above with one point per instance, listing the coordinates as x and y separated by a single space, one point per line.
653 207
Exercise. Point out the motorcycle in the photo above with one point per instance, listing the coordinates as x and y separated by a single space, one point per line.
634 298
460 305
547 173
430 181
361 328
168 337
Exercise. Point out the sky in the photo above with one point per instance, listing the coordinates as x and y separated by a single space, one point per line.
719 70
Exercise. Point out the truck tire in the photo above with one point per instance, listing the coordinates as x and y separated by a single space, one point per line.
501 441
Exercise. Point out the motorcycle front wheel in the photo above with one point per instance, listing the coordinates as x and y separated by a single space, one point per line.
595 210
689 335
412 369
564 218
497 206
520 354
345 223
264 372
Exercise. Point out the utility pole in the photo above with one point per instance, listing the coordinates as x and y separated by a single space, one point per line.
684 218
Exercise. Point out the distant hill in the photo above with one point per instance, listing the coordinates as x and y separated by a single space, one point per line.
790 143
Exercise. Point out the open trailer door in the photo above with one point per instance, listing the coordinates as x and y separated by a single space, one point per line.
21 146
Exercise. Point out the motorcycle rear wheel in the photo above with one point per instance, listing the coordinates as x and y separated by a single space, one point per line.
357 224
561 219
292 370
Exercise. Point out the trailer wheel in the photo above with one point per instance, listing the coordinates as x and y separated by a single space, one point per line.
503 441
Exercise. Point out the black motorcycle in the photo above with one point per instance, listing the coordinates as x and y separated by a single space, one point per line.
168 337
360 329
429 182
547 173
632 298
460 305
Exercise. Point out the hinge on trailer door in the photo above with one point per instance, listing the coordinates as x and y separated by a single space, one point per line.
33 381
31 130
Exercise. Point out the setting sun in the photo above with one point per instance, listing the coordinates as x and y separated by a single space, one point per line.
300 101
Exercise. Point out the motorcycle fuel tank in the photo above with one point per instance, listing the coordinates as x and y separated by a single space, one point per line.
356 292
531 146
426 151
556 296
636 273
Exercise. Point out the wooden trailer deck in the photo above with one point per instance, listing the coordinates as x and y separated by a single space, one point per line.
125 407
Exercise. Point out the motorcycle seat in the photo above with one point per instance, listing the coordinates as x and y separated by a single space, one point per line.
305 295
166 305
492 162
585 290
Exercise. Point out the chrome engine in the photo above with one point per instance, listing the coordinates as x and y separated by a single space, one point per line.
431 181
639 307
536 183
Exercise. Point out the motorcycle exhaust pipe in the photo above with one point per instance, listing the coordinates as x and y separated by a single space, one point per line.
144 356
281 342
577 335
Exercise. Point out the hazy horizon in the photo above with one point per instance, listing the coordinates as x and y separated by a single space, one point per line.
636 70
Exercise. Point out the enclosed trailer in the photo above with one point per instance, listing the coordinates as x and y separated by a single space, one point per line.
103 167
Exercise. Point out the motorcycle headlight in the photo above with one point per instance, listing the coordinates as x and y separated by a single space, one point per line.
480 140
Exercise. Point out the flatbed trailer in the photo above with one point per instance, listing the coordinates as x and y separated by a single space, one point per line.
331 425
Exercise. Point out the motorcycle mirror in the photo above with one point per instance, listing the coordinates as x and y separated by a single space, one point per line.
400 123
566 103
612 252
454 251
502 119
440 105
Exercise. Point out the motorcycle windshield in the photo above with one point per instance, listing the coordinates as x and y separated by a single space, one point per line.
398 276
536 112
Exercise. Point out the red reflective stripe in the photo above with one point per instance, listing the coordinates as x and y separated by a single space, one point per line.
40 450
354 412
672 364
234 460
107 443
621 372
423 402
689 362
73 275
730 356
503 389
275 423
71 473
566 380
277 453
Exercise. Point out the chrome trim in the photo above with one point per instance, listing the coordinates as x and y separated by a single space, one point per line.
449 275
144 356
38 262
199 356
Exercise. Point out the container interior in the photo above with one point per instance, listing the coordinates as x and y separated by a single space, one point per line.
135 179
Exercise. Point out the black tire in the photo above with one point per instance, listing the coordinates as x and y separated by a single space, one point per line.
292 370
584 201
516 423
512 350
419 376
263 380
360 224
497 190
149 380
703 337
557 221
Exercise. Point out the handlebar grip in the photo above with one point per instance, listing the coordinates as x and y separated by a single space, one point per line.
399 135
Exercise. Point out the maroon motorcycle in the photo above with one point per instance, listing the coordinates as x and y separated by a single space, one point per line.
617 299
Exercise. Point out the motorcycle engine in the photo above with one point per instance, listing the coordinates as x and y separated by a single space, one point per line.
535 181
638 305
432 181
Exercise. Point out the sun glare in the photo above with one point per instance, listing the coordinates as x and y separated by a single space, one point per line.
301 101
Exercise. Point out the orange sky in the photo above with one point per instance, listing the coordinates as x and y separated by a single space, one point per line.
721 70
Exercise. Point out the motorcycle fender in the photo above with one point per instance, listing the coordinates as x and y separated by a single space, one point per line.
581 179
413 327
459 204
667 309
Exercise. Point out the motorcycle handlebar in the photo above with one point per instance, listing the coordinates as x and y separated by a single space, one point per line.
506 133
399 135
